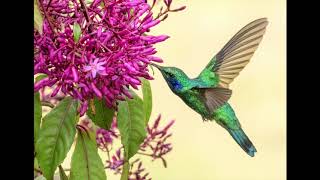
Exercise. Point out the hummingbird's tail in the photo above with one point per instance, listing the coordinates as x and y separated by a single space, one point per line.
242 139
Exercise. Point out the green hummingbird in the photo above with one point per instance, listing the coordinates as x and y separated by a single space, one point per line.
208 94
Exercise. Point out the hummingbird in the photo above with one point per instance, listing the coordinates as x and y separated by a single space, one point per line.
209 92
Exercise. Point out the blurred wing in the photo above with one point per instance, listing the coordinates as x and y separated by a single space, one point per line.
214 98
236 54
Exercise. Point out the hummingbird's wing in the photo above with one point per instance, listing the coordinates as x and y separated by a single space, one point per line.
214 98
236 54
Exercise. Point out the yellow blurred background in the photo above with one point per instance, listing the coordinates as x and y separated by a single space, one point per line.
204 150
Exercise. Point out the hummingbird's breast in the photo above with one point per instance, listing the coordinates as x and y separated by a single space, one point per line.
193 100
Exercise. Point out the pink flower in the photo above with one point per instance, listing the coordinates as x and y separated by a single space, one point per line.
95 67
111 53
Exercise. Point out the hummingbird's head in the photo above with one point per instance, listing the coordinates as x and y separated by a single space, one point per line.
175 77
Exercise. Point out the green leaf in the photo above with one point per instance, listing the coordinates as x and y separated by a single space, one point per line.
131 11
76 32
102 4
41 76
102 115
131 124
86 163
56 136
125 171
147 98
37 116
38 19
89 1
63 175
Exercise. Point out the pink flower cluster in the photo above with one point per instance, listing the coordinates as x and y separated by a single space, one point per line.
105 138
156 140
155 146
136 171
95 49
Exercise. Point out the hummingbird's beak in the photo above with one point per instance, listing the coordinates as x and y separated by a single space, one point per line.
157 66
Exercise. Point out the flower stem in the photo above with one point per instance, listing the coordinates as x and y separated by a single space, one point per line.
108 153
141 153
48 5
162 13
46 103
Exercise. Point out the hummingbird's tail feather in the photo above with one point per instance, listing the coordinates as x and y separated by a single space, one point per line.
242 139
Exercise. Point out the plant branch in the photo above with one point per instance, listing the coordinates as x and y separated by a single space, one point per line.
151 155
141 153
46 16
85 11
162 13
48 4
153 3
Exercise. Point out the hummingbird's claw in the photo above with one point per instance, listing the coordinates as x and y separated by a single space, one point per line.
204 119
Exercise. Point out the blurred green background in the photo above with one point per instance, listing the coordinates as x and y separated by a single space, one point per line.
204 150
